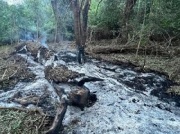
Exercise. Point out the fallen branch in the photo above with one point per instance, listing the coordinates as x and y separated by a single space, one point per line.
57 123
13 74
42 122
3 74
151 49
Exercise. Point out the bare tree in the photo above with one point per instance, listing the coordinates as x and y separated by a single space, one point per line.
56 9
127 13
80 11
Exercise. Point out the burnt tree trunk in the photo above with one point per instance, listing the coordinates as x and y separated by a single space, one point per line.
80 11
55 4
127 13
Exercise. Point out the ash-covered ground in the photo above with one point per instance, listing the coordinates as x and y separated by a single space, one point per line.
125 101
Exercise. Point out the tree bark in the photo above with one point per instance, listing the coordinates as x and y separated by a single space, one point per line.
80 11
55 4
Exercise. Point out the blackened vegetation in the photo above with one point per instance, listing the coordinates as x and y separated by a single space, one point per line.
141 83
81 55
80 12
87 79
158 82
36 50
160 88
80 97
163 94
68 56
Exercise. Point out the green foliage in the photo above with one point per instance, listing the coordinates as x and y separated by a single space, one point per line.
4 20
37 16
32 15
161 16
105 14
170 19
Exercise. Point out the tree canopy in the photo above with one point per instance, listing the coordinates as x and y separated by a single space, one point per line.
147 17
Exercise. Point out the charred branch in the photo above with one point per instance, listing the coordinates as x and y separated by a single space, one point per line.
57 123
88 79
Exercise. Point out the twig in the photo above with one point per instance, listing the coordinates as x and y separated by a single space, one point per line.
42 121
3 74
13 74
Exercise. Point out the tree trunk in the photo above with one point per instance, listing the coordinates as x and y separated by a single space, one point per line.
37 27
55 4
80 11
127 13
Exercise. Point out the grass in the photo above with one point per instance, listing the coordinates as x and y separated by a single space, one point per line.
14 121
6 49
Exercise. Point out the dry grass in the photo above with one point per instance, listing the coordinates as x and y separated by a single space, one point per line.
14 121
22 122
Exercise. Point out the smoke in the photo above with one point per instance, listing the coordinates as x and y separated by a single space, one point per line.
43 40
26 35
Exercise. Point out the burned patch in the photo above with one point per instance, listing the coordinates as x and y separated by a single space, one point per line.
168 95
145 83
92 99
80 82
67 56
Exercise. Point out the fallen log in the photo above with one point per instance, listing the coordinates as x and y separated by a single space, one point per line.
150 49
57 123
83 80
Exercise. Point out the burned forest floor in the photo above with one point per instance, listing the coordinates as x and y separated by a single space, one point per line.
158 63
158 57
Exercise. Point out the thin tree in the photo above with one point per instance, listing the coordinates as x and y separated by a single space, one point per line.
80 11
127 13
56 9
